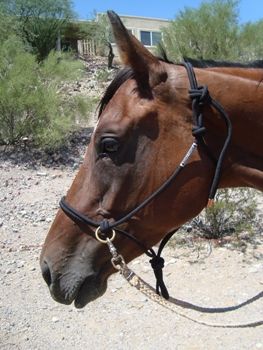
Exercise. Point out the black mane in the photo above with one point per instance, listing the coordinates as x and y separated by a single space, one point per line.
212 63
120 78
203 63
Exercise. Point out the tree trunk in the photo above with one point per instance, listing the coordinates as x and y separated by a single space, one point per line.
110 56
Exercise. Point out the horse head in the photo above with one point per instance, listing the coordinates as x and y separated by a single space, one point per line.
144 130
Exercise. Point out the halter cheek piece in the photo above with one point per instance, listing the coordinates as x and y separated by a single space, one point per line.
105 230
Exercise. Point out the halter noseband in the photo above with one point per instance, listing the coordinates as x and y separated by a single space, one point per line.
200 96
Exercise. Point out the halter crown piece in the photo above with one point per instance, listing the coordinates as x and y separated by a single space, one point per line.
106 230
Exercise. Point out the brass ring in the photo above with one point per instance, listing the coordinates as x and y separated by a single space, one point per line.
97 232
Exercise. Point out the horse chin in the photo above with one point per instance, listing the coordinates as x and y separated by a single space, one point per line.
91 289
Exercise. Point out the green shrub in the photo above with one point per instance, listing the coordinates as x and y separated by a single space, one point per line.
31 104
85 105
234 211
58 67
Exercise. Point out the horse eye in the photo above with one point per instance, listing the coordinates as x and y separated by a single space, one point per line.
109 145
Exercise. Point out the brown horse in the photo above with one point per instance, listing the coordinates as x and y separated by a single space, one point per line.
143 133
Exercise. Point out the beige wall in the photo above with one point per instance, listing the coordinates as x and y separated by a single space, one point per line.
143 23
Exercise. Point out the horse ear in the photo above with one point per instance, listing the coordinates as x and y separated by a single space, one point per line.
146 67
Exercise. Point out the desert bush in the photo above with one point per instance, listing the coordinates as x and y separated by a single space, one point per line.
60 67
31 104
85 106
234 211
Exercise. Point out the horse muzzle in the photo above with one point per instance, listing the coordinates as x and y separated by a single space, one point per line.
70 286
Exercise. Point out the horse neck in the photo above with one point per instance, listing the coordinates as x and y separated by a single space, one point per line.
242 99
246 73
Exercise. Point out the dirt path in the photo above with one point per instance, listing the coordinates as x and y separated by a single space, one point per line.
123 318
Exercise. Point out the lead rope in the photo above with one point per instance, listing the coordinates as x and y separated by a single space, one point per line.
137 282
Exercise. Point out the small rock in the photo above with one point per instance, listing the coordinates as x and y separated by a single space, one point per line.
171 261
256 268
20 264
55 319
41 174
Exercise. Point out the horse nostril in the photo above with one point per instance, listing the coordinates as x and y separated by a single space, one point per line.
46 273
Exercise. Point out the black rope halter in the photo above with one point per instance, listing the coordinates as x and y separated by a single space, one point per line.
200 97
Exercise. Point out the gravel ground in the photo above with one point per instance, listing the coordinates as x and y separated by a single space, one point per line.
123 318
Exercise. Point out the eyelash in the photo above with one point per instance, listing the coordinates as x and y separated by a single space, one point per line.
109 145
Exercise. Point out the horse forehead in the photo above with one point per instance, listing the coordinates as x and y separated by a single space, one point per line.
127 98
126 106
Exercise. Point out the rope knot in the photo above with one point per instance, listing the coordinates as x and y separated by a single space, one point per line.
157 263
198 131
105 227
201 94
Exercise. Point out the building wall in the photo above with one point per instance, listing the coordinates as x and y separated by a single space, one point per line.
143 23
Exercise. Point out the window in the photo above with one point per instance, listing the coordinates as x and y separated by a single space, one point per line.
150 38
156 38
146 38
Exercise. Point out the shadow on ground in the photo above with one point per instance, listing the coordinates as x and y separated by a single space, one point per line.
69 155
